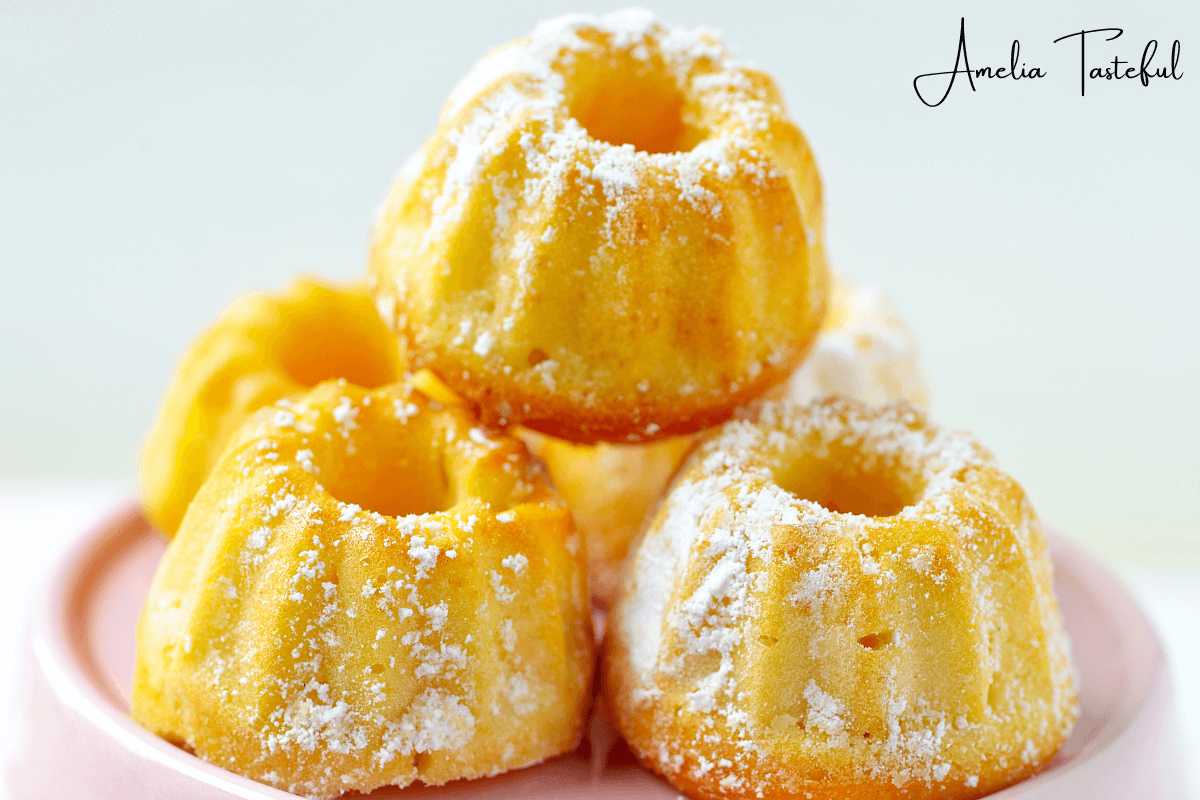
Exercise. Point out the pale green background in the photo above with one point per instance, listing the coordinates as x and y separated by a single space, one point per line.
156 160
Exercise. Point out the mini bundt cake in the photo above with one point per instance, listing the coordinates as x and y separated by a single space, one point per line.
615 234
368 590
864 351
844 602
263 347
610 489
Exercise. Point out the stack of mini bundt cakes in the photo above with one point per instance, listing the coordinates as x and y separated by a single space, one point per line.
597 305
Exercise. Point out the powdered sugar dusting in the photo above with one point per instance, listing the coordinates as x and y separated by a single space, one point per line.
824 711
705 606
343 648
511 163
866 352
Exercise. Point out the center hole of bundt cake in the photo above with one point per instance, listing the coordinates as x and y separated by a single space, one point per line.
632 102
336 343
395 471
844 488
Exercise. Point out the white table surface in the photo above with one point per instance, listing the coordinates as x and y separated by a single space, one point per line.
38 520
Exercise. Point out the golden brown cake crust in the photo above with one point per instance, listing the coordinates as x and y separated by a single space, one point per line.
595 282
907 644
864 351
369 590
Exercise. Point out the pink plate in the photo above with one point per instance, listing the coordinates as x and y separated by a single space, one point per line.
74 737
